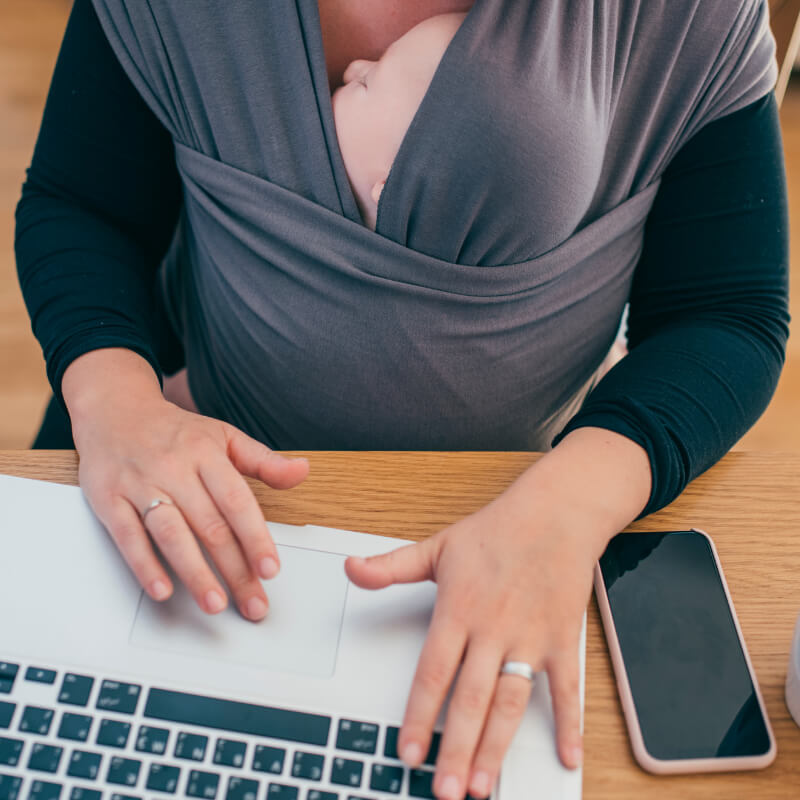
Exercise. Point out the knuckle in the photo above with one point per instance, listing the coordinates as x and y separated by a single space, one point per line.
510 703
237 499
126 533
434 678
214 533
472 700
168 533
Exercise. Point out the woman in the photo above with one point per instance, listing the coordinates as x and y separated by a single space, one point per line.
650 170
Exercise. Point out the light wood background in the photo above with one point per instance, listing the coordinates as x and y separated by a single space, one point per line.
748 503
30 33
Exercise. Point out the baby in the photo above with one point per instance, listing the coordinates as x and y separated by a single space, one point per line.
372 111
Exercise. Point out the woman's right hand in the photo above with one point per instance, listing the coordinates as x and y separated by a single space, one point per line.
136 447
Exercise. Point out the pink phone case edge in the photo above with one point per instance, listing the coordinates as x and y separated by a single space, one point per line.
645 760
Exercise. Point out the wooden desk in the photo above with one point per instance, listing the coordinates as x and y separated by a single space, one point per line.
749 503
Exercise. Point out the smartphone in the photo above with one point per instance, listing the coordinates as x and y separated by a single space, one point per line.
689 694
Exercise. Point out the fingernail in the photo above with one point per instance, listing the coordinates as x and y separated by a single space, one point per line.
450 790
412 754
268 567
575 756
159 590
256 608
481 784
214 602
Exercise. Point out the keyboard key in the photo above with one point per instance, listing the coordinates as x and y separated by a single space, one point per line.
163 778
124 797
230 715
9 786
152 740
119 697
8 673
83 764
390 748
6 712
10 750
39 675
74 727
308 765
202 784
268 759
230 753
36 720
113 733
360 737
279 791
75 689
386 778
42 790
315 794
241 789
421 784
346 772
44 757
191 746
359 797
123 771
80 793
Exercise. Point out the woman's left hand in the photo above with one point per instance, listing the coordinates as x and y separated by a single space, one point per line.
514 580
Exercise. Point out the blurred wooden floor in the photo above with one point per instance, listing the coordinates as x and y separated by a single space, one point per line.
30 33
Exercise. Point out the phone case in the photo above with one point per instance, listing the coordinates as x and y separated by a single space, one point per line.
661 766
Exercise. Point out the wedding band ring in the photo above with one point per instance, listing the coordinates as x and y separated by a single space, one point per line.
521 668
155 504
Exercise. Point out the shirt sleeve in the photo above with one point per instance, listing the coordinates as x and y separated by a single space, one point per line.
708 321
87 252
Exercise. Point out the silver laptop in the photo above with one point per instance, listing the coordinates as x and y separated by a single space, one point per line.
106 694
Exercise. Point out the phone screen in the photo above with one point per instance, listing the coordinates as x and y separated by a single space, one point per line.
691 687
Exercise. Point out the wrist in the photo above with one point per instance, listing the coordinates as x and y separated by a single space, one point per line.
102 380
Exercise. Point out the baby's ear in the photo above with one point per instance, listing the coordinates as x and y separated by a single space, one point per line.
376 191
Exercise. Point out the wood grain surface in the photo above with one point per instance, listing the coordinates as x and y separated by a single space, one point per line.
749 503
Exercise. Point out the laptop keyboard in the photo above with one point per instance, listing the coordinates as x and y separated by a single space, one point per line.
76 736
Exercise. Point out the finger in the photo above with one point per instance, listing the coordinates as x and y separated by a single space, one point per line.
125 527
408 564
437 665
257 461
238 505
212 529
564 676
466 716
510 700
177 544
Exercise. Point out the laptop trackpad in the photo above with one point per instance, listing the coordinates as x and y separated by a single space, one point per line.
300 634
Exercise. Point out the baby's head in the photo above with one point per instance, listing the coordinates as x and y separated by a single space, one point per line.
375 106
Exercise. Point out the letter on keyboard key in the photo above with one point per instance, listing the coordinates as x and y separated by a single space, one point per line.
75 689
79 793
119 697
74 727
44 757
308 765
6 713
191 746
202 784
241 789
36 720
359 737
113 733
83 764
123 771
152 740
10 750
346 772
386 778
43 790
9 786
230 753
280 791
268 759
163 778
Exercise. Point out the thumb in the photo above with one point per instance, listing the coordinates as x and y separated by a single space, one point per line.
408 564
256 460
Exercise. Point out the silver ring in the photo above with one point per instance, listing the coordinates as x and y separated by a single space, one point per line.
521 668
155 504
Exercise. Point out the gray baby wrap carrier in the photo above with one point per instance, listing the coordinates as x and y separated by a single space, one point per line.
477 313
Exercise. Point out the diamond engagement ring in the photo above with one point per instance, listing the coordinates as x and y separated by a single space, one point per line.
521 668
155 504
